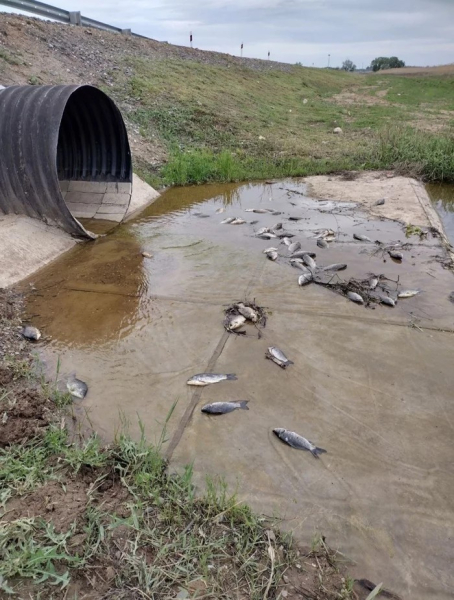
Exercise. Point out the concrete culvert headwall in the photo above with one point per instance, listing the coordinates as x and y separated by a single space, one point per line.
64 155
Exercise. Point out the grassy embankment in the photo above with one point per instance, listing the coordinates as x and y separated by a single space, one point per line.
224 124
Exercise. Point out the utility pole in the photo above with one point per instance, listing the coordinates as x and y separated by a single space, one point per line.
241 49
268 55
329 57
190 38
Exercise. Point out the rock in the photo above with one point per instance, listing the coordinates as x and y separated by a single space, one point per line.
305 101
147 255
338 130
261 137
31 333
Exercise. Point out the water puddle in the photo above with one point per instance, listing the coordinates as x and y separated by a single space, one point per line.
442 196
365 384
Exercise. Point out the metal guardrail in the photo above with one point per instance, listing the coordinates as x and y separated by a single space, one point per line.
64 16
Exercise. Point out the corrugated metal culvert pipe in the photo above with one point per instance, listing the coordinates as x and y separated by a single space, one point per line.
64 155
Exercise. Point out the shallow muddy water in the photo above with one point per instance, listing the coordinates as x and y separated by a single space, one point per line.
373 386
442 196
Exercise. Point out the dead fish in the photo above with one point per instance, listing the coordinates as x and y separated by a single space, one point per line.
253 222
387 300
228 220
373 282
260 211
277 226
380 202
147 255
304 279
295 218
237 222
269 250
207 378
302 253
234 322
335 267
324 233
220 210
297 441
263 230
272 255
299 264
395 254
361 237
77 388
286 241
31 333
267 236
294 247
284 234
275 213
330 238
408 293
309 261
321 243
247 312
354 297
221 408
277 356
201 215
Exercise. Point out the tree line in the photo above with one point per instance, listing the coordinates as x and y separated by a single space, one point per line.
378 64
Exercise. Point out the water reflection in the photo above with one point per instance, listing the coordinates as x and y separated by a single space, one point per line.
442 196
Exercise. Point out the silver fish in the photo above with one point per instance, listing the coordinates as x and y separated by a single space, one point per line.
286 241
387 300
297 441
247 312
277 226
304 279
269 250
335 267
284 234
302 253
207 378
237 222
259 211
277 356
354 297
321 243
380 202
298 263
324 233
220 210
408 293
294 247
373 282
267 236
234 322
309 261
77 388
395 254
228 220
263 230
221 408
361 237
31 333
272 255
330 238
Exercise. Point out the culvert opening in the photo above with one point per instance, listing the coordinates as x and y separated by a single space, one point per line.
93 157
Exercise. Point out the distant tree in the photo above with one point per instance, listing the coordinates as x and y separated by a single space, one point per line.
348 65
385 62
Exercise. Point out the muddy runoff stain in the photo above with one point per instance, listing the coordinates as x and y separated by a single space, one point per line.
372 386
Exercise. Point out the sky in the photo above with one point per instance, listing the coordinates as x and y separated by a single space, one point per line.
420 32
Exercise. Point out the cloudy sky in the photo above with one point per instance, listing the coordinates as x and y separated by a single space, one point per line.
421 32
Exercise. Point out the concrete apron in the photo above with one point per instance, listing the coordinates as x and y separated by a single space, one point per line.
372 387
27 245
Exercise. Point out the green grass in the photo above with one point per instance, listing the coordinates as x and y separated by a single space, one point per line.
218 123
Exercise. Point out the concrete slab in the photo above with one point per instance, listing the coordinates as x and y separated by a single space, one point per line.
142 196
27 245
372 386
